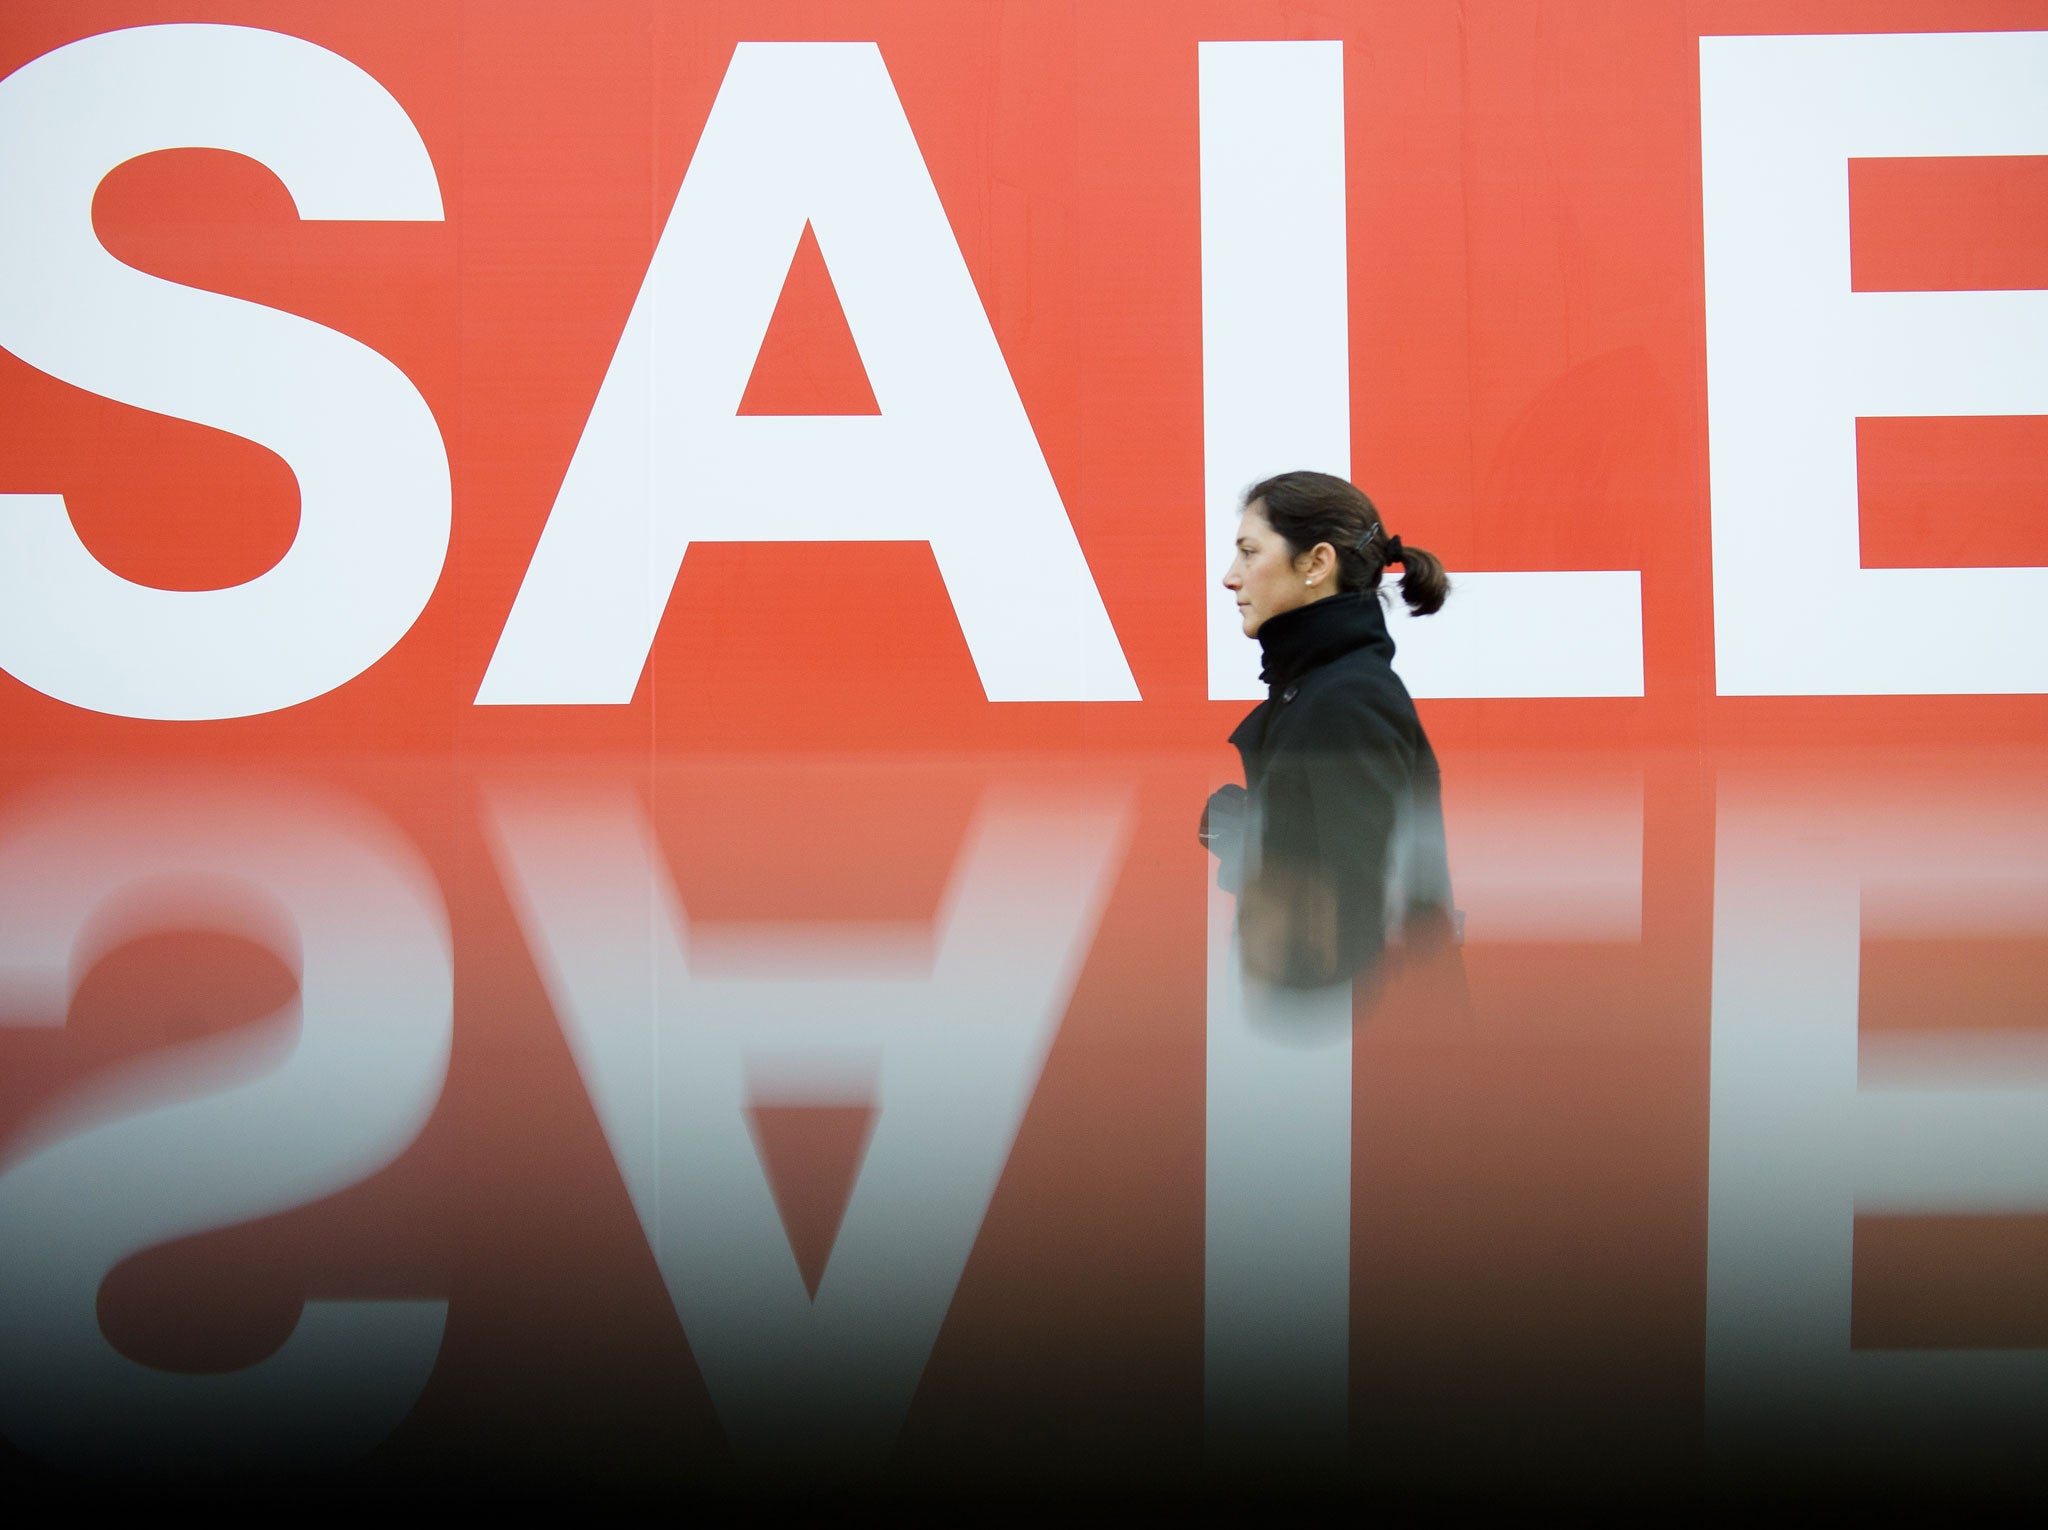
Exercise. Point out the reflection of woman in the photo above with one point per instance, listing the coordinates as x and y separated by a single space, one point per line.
1335 843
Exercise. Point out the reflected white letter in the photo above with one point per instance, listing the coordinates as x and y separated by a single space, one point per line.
1811 1124
171 1145
1276 1265
670 1024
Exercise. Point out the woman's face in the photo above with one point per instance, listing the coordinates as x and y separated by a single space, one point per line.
1268 577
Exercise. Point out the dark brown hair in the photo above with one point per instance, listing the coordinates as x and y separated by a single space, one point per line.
1307 508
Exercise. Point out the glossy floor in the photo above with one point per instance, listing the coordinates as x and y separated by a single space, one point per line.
753 1121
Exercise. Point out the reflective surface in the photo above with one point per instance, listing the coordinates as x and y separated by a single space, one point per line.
903 1124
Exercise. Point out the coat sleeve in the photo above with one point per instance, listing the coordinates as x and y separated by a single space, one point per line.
1222 831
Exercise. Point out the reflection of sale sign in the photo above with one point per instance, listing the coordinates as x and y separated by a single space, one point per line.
820 374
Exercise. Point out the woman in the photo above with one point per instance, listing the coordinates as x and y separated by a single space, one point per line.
1335 842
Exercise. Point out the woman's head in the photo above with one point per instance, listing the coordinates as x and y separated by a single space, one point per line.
1305 536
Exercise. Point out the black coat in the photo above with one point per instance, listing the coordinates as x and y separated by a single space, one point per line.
1338 841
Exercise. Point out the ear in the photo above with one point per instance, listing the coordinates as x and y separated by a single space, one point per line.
1318 565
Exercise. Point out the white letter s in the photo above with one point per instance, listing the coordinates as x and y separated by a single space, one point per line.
371 465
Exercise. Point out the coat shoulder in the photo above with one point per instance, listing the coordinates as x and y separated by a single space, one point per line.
1355 700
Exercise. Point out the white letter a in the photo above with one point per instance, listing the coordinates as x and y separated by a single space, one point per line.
807 132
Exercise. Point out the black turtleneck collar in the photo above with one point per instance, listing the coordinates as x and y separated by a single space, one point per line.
1310 636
